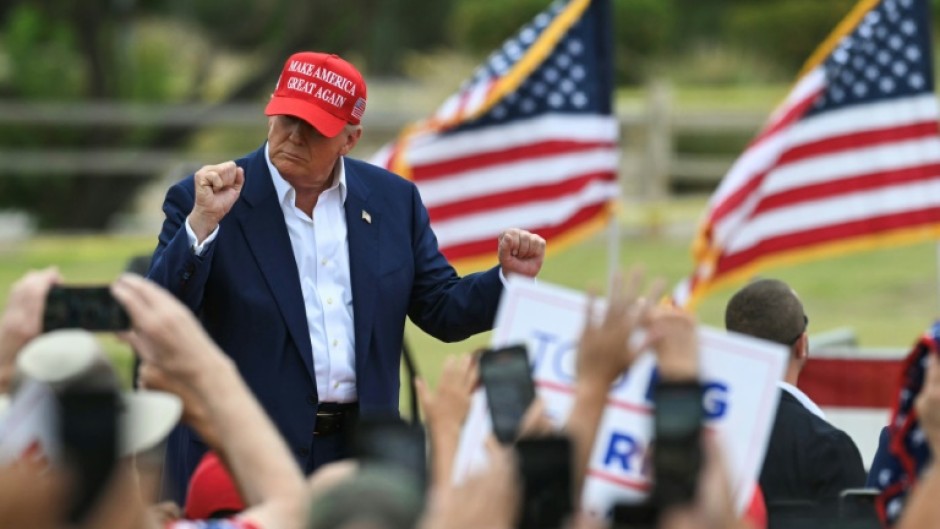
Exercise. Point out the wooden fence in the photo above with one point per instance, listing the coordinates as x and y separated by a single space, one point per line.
651 165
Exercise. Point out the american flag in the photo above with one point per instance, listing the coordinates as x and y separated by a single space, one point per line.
908 449
849 161
528 142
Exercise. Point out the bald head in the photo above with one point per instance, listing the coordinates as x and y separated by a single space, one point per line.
768 309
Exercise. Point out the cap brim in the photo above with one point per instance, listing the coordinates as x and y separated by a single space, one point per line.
59 355
328 124
147 419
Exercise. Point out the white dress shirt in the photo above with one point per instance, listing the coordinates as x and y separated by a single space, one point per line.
803 398
321 253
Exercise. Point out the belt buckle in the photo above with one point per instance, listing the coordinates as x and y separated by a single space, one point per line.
332 424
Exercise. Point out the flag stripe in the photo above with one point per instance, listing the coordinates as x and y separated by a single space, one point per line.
487 245
851 382
833 167
829 233
751 169
517 197
835 188
536 213
431 148
792 114
859 140
448 168
761 154
848 163
519 174
849 207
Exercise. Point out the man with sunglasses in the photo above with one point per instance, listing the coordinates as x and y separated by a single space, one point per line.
809 462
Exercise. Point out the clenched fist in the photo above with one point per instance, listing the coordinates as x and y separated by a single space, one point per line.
521 252
217 189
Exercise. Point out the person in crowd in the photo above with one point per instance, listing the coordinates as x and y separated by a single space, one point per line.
302 264
808 461
212 492
922 508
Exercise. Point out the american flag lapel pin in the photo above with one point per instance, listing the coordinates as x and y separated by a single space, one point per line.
366 217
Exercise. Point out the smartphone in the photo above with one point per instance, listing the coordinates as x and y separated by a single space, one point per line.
858 506
677 451
507 380
635 515
388 440
86 307
545 468
88 437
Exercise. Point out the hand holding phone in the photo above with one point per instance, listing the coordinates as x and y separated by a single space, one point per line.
388 440
92 308
507 380
545 467
677 453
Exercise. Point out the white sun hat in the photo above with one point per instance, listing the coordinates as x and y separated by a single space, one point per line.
74 358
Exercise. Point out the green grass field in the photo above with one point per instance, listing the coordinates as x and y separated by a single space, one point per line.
887 296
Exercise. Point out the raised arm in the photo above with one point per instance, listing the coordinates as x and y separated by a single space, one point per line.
603 355
168 338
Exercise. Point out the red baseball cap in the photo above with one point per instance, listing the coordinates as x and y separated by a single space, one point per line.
321 89
211 490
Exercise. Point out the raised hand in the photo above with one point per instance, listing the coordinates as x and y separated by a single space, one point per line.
22 319
521 252
217 188
603 352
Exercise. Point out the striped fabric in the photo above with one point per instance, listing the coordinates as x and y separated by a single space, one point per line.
849 161
529 141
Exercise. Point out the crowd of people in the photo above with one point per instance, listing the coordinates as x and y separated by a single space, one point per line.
268 330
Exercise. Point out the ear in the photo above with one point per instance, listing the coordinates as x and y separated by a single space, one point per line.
801 348
352 138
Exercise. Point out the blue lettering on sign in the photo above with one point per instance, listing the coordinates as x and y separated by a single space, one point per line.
715 400
714 396
621 449
542 342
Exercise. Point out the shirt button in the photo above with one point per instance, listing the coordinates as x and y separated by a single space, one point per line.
335 343
335 385
329 301
323 262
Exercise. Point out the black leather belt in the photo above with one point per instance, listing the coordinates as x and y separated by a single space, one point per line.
335 417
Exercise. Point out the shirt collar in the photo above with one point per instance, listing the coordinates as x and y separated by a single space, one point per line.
803 398
285 190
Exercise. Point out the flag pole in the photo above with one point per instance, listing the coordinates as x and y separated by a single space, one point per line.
938 273
613 240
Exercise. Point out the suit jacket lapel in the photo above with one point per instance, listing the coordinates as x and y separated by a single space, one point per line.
362 228
262 222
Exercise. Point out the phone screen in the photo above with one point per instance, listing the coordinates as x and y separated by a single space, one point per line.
545 467
859 505
677 453
90 308
507 379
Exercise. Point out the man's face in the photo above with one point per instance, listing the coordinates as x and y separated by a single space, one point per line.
303 156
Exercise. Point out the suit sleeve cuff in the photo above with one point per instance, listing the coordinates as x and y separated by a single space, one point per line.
200 248
505 281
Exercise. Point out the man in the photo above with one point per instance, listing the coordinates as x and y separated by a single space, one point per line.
302 264
809 461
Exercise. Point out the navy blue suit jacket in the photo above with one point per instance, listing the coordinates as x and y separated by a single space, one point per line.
246 291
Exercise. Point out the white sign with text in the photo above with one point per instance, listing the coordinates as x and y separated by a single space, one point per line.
739 375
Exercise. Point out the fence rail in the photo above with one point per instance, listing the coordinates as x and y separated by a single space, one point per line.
650 159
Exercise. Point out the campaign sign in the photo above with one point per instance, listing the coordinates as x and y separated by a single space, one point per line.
739 375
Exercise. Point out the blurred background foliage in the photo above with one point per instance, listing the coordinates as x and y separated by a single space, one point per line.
206 51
